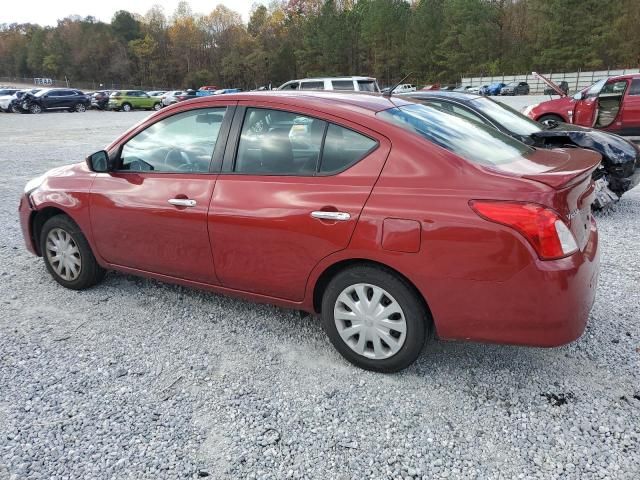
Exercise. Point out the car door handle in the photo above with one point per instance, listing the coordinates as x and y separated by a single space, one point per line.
336 216
182 202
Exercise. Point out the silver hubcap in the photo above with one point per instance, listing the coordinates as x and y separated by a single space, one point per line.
80 108
63 254
126 108
370 321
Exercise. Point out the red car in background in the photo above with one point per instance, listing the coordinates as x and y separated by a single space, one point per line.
611 104
385 217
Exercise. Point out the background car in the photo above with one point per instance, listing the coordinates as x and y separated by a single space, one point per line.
515 88
349 222
14 103
5 98
493 89
100 99
563 86
477 89
127 100
55 99
620 170
611 104
462 88
156 93
357 84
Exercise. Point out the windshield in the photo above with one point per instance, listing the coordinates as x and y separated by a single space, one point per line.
506 116
470 140
42 92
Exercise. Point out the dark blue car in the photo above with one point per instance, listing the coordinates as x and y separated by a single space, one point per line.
493 89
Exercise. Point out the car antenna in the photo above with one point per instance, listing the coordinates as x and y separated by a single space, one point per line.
388 94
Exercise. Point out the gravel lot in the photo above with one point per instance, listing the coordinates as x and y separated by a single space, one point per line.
135 379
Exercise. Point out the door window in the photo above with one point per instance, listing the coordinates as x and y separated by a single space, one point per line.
273 142
343 148
635 87
614 88
181 143
342 84
312 85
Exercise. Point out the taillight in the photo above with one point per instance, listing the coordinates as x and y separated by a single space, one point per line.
542 227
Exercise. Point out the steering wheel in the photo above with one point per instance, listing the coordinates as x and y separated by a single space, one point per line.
180 162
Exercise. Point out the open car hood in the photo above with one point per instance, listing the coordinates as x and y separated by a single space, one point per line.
550 84
615 149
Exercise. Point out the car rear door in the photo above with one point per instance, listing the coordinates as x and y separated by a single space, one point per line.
290 193
630 118
150 214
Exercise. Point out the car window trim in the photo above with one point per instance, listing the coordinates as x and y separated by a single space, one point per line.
215 162
229 163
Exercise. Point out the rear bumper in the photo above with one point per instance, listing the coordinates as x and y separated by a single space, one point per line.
546 304
25 211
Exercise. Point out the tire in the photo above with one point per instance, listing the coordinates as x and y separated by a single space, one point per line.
83 272
552 117
157 106
394 349
15 109
80 108
126 107
35 109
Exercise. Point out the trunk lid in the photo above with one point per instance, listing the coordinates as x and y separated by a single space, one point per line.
569 172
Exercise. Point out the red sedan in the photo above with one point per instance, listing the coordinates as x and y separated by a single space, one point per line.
387 218
611 104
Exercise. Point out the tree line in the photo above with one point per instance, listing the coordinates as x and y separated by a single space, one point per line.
437 40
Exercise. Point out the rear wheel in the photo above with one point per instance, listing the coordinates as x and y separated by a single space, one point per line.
126 107
157 106
15 109
81 108
374 318
67 254
550 118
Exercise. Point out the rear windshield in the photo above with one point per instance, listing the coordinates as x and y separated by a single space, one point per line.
472 141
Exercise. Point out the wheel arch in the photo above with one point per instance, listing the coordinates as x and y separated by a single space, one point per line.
337 267
38 219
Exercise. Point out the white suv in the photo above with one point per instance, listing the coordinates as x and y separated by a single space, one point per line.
405 87
353 84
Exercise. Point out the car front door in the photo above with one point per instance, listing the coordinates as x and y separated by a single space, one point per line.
585 109
290 193
51 100
150 214
630 117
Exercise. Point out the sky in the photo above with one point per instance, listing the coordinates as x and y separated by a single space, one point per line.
47 12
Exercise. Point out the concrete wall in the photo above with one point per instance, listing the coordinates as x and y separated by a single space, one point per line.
576 80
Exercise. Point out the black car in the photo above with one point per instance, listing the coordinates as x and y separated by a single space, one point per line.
564 86
15 103
515 88
620 170
56 99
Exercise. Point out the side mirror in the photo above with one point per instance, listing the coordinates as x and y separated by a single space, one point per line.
580 96
99 162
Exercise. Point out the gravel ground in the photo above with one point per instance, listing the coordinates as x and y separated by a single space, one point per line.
135 379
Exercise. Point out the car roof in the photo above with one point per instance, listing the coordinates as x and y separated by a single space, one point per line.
331 78
625 77
321 100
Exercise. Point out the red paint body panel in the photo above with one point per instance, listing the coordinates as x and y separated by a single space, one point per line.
253 236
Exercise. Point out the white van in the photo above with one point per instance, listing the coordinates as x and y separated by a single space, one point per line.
353 84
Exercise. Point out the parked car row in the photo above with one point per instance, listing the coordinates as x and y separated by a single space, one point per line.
389 218
48 99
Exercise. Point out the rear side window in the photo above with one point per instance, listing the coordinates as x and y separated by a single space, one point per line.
343 148
274 142
180 143
470 140
311 85
635 87
367 86
115 94
342 84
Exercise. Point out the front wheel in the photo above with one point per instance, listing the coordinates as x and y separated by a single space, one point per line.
67 254
15 109
550 119
374 318
126 107
35 108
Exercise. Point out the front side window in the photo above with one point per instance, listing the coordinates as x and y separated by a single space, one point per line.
342 84
635 87
290 86
594 89
273 142
367 86
312 85
182 143
470 140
